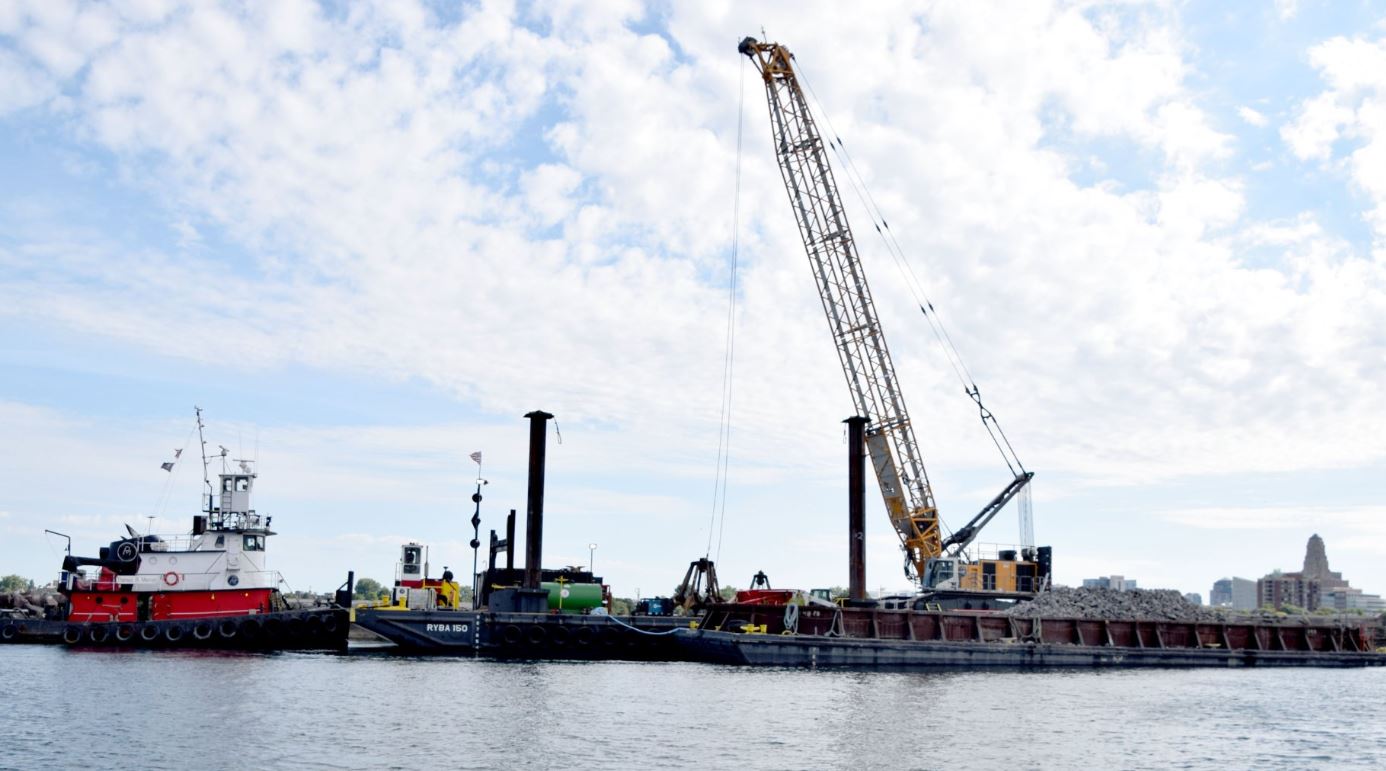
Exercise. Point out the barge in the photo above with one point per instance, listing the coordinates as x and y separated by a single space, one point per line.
511 635
870 638
520 613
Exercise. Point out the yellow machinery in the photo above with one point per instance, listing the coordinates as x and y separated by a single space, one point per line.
414 590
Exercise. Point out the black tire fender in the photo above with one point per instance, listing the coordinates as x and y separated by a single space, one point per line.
8 632
173 632
149 632
227 629
72 634
202 630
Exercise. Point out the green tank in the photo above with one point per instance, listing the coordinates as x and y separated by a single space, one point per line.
579 597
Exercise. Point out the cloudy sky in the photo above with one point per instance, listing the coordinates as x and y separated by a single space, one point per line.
368 238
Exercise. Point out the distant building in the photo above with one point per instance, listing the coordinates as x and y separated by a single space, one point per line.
1305 588
1119 583
1235 593
1348 598
1194 598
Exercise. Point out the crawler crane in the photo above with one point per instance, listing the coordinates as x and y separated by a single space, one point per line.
938 563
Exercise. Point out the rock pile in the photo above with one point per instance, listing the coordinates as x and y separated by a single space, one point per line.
1093 603
39 603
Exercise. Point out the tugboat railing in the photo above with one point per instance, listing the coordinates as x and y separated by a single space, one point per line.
247 580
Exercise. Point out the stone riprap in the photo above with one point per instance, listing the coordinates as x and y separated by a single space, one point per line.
1132 604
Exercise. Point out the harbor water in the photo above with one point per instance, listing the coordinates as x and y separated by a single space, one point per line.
176 710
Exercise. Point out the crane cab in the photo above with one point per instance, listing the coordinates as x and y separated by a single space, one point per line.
1005 574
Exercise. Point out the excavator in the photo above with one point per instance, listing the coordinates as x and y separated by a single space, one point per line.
938 564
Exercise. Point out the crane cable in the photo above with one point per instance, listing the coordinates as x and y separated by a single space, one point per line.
719 488
916 287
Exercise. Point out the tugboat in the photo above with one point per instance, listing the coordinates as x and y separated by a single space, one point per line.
209 588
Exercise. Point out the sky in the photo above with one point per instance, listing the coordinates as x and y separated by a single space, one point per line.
367 238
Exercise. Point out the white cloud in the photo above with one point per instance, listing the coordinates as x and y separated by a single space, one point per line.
382 167
1252 117
1345 125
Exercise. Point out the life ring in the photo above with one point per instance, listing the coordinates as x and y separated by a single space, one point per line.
202 630
8 632
149 632
227 629
72 634
171 578
124 632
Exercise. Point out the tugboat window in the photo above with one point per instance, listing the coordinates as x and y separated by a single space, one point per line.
253 543
226 485
221 541
242 484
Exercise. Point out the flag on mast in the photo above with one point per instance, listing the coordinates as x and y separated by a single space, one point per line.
476 457
168 465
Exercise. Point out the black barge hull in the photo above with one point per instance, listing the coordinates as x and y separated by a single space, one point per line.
527 635
811 651
307 629
869 638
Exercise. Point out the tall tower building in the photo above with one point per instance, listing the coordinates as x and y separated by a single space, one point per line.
1302 589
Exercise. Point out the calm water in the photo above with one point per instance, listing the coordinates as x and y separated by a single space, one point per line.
166 710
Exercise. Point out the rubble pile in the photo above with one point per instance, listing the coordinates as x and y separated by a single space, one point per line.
39 603
1132 604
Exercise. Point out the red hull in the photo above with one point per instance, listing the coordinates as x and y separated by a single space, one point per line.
160 606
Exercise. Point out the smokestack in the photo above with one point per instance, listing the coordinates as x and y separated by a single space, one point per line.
510 541
534 517
856 508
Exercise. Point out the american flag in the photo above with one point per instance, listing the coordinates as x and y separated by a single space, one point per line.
476 457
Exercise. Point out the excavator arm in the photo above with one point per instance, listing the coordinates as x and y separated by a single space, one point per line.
847 302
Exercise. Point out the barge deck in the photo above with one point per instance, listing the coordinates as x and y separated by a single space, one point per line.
869 638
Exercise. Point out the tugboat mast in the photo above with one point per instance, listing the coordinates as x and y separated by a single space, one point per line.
202 442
